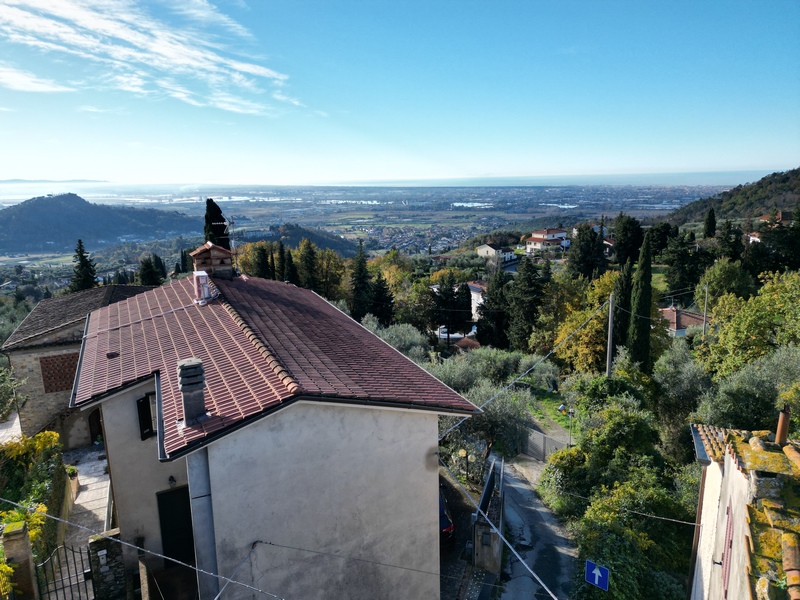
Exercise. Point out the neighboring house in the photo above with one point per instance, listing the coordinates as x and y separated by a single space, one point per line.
504 253
595 228
747 538
680 320
784 217
546 239
296 441
43 353
488 250
754 238
477 289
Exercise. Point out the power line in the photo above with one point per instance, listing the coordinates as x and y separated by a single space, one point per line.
140 549
497 531
693 524
536 364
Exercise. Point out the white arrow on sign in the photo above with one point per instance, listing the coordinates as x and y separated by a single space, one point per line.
597 575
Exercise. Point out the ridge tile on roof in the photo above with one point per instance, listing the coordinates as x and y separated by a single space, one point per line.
262 343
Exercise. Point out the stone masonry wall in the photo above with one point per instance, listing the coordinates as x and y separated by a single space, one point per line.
43 404
108 567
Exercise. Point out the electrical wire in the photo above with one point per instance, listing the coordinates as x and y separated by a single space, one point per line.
497 531
536 364
636 512
140 549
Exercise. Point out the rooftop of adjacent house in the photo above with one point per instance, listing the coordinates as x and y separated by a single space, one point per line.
548 231
263 344
773 516
56 312
680 319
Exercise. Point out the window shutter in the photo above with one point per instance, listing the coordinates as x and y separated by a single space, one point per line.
145 417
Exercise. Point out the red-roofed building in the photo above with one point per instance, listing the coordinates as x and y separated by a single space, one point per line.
543 240
313 437
680 320
43 353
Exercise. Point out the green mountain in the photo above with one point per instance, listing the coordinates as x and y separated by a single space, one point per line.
292 234
57 222
779 191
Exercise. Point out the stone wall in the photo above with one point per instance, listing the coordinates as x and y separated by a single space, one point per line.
108 567
48 374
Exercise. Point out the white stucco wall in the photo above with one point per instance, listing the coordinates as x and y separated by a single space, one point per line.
348 482
136 474
734 489
705 545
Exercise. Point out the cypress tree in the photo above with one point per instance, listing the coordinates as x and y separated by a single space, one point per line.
622 303
271 265
493 311
710 224
382 301
261 266
280 269
215 228
84 273
524 299
360 286
641 300
291 270
185 263
307 265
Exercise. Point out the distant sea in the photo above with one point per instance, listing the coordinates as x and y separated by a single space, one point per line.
725 178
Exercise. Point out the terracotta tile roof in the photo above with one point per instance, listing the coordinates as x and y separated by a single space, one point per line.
53 313
709 442
263 343
680 319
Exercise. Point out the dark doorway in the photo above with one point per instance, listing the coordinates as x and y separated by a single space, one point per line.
95 425
175 515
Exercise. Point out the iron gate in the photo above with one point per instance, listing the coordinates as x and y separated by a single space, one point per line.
540 446
65 575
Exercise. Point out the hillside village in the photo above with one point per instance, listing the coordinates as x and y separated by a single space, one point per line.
279 417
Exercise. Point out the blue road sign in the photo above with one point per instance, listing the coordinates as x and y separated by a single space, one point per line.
597 575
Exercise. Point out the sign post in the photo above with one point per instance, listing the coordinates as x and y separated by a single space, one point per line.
597 575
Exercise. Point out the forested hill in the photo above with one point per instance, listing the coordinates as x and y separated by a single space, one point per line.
292 234
779 191
57 222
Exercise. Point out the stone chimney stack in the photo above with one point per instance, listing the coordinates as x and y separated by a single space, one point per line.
192 381
782 435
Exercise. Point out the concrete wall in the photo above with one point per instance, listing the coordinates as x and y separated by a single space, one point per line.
346 481
704 568
734 489
136 474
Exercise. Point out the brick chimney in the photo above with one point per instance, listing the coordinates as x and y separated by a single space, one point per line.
782 435
214 260
192 381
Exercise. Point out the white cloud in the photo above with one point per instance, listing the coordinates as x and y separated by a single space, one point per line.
281 97
23 81
205 12
142 54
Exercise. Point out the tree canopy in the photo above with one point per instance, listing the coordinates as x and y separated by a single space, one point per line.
84 273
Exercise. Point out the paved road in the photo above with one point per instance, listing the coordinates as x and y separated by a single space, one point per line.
539 538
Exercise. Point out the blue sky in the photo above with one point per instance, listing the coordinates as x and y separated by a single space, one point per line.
326 91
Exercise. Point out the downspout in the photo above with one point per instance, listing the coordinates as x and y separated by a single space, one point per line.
205 544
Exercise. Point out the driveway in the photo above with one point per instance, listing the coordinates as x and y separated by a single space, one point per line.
541 540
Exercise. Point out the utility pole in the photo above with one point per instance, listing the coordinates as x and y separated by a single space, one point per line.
705 312
610 348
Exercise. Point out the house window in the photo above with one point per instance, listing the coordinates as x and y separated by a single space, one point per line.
146 407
